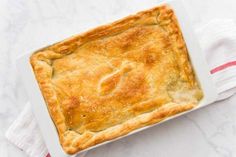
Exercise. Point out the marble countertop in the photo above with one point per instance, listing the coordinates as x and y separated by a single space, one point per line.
28 25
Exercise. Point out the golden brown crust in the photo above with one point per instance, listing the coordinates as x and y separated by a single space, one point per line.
116 78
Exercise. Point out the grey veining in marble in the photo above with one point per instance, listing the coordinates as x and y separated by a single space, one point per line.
26 25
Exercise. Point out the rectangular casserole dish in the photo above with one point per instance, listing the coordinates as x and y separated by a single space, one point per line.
112 81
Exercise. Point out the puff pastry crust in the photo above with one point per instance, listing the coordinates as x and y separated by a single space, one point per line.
116 78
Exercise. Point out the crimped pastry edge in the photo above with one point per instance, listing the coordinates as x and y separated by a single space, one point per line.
71 141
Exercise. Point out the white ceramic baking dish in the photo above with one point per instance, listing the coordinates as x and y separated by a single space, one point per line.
45 122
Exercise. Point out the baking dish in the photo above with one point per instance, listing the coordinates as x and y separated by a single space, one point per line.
197 60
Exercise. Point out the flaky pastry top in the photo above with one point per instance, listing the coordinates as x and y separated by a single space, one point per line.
109 81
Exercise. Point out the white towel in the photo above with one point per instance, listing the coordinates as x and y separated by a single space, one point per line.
218 41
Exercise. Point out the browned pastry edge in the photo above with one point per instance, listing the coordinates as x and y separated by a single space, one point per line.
41 60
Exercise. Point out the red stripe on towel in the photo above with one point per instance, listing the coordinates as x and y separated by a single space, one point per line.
48 155
224 66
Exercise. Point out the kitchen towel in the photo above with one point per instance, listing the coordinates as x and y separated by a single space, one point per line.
218 42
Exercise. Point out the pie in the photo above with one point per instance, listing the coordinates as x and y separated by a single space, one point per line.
116 78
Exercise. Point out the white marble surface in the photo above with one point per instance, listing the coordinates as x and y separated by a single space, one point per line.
26 25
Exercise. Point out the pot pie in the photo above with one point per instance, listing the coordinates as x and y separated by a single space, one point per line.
116 78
